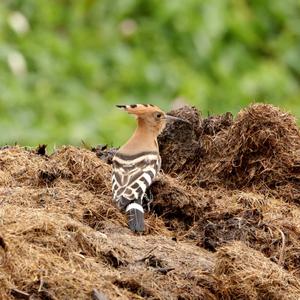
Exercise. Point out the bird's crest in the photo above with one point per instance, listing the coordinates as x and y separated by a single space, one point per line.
139 109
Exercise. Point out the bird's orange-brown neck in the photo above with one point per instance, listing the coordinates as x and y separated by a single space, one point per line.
143 139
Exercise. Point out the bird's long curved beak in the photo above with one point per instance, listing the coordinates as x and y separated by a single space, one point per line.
172 118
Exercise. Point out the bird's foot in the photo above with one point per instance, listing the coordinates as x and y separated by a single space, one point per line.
148 199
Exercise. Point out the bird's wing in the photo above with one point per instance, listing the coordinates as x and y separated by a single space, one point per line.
132 175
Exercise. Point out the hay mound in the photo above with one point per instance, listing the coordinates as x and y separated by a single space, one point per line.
47 255
260 149
220 226
263 148
61 237
247 274
212 218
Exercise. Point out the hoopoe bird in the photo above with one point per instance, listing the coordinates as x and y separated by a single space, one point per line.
137 162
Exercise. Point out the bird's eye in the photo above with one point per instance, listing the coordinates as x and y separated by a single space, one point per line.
158 115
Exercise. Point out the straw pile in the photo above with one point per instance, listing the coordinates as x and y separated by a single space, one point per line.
259 149
225 223
247 274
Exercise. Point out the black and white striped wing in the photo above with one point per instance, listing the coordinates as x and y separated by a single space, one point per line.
132 175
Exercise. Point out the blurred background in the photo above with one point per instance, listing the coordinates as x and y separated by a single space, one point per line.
65 64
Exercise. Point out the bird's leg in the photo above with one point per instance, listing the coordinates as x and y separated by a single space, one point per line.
148 198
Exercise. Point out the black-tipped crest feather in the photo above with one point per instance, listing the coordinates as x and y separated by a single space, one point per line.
121 106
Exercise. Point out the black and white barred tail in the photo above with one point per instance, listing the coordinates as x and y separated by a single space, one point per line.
132 175
135 213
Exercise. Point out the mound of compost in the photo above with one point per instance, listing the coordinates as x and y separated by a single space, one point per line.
260 148
224 224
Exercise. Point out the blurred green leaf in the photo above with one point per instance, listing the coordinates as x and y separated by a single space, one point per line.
65 64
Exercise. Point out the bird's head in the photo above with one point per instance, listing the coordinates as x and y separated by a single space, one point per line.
149 115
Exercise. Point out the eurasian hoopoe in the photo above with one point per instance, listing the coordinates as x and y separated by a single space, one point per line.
136 163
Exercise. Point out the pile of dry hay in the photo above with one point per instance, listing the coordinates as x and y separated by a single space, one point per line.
225 223
259 149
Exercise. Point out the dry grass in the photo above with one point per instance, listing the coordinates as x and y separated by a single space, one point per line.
260 149
224 223
247 274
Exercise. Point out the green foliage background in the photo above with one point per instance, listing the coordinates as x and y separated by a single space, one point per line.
80 58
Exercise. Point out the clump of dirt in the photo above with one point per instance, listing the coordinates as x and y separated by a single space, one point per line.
105 153
214 124
184 147
180 139
224 223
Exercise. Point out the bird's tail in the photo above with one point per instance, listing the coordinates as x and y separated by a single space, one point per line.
135 214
